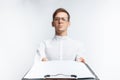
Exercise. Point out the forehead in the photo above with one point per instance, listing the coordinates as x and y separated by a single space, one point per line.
61 14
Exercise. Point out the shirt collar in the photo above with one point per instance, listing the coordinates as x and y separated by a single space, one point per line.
61 37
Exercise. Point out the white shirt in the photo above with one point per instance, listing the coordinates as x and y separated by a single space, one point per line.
61 48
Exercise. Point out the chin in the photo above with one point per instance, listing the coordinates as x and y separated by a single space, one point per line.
60 30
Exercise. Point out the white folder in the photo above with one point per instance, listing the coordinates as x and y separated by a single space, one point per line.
39 70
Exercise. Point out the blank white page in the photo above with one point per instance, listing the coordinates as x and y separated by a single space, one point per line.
39 70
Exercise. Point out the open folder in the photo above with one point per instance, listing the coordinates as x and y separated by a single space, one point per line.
59 69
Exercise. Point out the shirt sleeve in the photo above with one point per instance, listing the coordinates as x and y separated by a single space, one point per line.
41 50
80 51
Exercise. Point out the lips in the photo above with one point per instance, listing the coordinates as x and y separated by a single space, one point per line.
60 26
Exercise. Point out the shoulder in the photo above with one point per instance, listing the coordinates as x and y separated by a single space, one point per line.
78 44
44 42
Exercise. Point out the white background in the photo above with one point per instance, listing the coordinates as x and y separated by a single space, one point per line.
25 23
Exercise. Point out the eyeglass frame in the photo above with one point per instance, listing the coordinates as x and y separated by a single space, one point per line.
65 19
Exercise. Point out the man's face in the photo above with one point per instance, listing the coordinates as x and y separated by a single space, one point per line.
60 22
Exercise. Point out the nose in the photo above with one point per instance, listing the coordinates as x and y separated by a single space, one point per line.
60 20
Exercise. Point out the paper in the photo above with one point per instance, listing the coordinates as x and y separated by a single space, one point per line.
39 70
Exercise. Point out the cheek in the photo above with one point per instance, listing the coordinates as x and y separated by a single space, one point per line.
55 24
67 25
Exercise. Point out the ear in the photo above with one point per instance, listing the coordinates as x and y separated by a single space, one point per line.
69 23
52 24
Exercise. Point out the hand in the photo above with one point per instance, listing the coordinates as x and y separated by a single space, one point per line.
81 59
44 59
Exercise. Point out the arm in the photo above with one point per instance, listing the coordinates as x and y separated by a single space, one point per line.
41 52
80 53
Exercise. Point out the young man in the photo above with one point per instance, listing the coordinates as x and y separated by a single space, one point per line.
61 47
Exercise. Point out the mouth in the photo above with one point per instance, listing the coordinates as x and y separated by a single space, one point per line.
60 26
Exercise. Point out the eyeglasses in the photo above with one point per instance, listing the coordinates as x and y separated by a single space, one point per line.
61 18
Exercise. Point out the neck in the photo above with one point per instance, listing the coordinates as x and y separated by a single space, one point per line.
61 33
